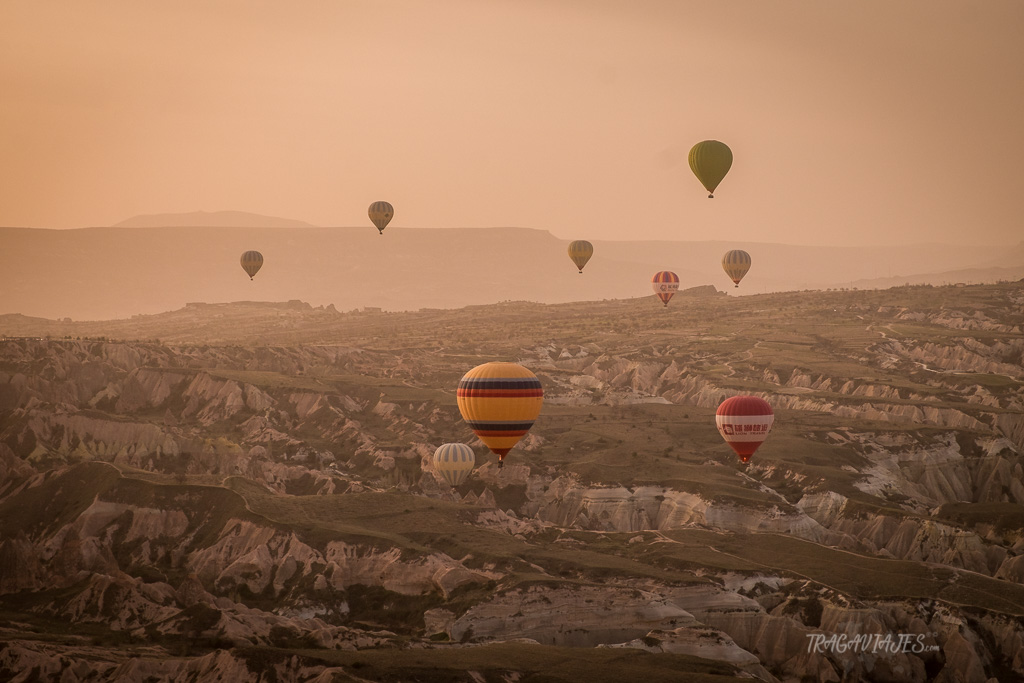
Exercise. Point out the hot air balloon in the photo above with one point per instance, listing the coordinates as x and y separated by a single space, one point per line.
454 461
580 252
381 214
736 264
252 261
665 284
499 402
744 422
710 161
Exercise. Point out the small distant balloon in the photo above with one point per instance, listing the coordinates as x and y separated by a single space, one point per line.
736 264
381 214
665 285
454 462
252 261
710 160
744 423
580 252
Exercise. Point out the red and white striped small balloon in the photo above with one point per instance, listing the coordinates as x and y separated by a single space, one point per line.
744 422
665 285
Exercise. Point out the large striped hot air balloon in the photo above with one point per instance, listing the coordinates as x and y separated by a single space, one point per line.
252 261
710 160
736 264
744 422
381 214
665 284
580 252
454 461
499 402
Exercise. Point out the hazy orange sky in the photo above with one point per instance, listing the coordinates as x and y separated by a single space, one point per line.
851 122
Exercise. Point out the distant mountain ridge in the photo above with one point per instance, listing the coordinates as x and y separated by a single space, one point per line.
210 219
107 273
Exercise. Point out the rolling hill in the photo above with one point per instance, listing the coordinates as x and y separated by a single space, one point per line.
254 495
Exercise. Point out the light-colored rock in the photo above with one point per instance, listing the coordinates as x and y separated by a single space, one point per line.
584 617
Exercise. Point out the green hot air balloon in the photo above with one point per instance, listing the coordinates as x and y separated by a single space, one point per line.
381 214
710 161
580 252
252 261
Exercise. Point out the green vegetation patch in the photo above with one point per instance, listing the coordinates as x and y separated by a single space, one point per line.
1002 516
17 623
534 664
270 380
56 502
859 575
423 525
646 445
987 380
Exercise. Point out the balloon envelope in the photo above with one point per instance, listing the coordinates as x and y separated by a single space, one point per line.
252 261
454 461
736 264
580 252
499 402
744 423
381 214
710 160
665 284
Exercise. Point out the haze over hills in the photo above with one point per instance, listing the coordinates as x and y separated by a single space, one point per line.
116 272
199 219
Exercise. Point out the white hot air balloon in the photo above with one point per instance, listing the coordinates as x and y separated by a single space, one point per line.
454 462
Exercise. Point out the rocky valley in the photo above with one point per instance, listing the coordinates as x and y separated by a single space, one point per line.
246 491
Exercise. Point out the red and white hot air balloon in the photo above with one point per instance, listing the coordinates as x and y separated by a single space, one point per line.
665 285
744 422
